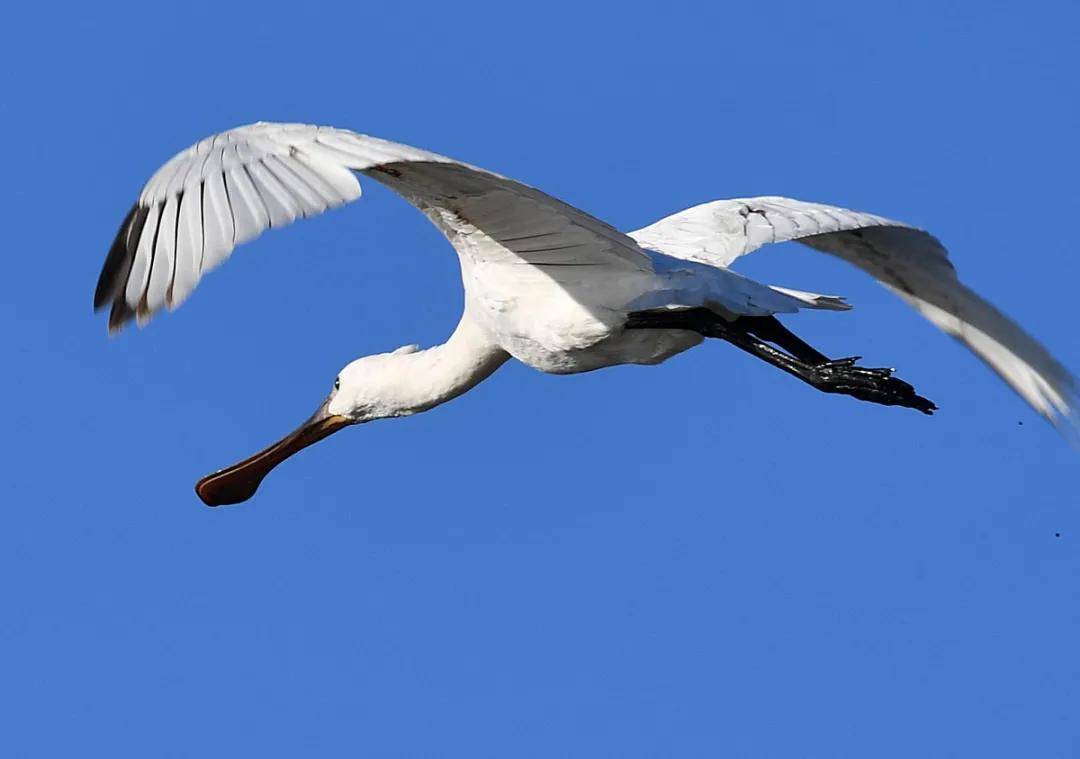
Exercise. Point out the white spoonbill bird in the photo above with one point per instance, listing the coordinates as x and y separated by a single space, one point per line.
545 283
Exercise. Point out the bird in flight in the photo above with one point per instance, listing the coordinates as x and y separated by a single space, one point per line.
545 283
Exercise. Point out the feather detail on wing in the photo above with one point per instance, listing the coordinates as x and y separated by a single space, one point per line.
228 189
910 262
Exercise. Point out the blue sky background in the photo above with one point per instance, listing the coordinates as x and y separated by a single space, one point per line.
697 560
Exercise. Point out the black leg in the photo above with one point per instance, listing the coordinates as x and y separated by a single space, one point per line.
770 329
800 359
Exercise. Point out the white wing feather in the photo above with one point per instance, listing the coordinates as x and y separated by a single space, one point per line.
910 262
230 188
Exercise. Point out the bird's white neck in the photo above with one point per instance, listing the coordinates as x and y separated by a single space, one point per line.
436 375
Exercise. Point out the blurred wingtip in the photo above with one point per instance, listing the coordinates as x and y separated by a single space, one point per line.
1066 420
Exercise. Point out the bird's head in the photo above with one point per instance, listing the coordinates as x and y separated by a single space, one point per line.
373 387
369 388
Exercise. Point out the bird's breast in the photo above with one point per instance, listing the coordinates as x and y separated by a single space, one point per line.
565 322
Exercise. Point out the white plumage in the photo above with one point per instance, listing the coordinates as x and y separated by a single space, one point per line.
545 283
910 262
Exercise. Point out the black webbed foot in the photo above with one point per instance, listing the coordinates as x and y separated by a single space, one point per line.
868 384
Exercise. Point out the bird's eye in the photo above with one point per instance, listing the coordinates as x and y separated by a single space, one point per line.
337 383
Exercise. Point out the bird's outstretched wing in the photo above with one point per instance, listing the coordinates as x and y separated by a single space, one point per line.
910 262
229 188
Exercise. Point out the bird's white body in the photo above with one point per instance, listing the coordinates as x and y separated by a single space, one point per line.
545 283
582 329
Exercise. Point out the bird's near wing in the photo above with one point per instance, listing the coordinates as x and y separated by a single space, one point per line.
910 262
229 188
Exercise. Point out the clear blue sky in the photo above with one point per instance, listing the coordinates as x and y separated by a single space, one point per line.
702 559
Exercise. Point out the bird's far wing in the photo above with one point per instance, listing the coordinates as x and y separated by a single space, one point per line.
910 262
229 188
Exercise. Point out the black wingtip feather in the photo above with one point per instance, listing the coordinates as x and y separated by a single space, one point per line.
117 265
120 315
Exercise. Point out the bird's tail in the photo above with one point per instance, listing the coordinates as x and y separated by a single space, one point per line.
689 284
